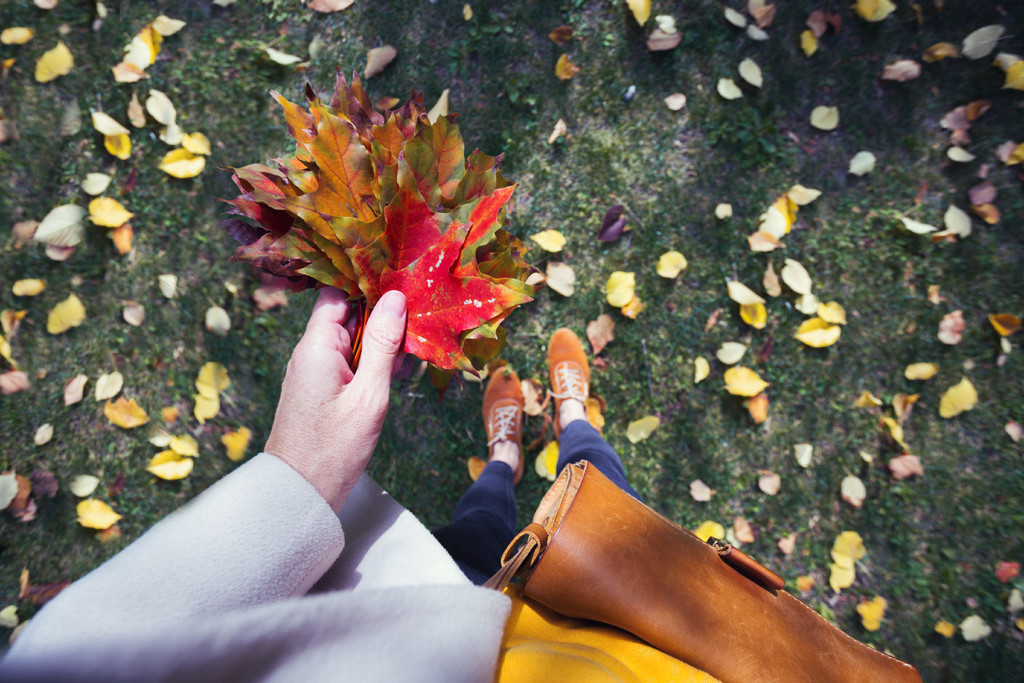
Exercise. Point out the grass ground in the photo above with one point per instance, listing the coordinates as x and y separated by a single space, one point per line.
932 542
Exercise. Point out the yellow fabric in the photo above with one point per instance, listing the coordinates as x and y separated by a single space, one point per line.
542 645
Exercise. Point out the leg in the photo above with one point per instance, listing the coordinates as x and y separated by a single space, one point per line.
484 522
580 441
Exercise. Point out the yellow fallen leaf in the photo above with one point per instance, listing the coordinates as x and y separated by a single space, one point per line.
847 548
740 381
95 183
1015 76
958 398
119 146
731 352
755 315
166 26
742 294
160 107
620 288
9 616
474 465
723 211
65 315
728 89
701 369
547 461
172 134
862 163
181 163
751 72
939 51
128 73
212 379
565 69
735 18
762 241
108 384
108 212
54 63
170 466
549 240
832 312
808 43
818 333
125 414
804 583
895 431
874 10
853 490
95 514
801 196
825 118
803 453
185 446
796 277
197 143
638 430
670 264
945 629
168 283
921 371
440 107
871 613
107 125
285 59
841 577
1004 323
34 286
633 308
236 441
974 628
641 10
960 155
561 278
709 529
16 35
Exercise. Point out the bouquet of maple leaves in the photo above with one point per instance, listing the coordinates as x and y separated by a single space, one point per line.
372 202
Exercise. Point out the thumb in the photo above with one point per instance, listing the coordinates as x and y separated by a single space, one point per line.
382 341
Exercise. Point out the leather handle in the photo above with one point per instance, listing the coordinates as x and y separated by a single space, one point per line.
512 560
746 565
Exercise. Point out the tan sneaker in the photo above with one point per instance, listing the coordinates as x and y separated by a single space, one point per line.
503 412
568 369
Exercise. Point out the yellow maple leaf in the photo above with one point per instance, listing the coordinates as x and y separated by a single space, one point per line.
212 379
620 288
741 381
95 514
841 577
818 333
54 63
641 10
124 413
108 212
871 612
709 529
638 430
170 465
181 163
549 240
65 315
206 408
958 398
235 442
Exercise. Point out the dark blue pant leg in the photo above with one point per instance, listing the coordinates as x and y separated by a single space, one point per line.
580 441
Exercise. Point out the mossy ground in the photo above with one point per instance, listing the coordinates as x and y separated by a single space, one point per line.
932 542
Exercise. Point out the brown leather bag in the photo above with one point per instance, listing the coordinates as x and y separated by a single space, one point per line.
595 552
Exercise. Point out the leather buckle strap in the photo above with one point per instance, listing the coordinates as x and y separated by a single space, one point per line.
512 560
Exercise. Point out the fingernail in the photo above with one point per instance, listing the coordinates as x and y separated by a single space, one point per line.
393 304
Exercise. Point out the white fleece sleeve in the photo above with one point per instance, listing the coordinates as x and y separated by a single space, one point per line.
260 534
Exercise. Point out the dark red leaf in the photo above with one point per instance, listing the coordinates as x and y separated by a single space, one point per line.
613 224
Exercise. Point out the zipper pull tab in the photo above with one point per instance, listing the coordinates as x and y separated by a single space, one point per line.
746 565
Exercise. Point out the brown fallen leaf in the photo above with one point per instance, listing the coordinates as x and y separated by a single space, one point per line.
986 212
951 327
902 70
934 297
817 23
743 531
535 396
904 466
565 69
660 41
44 483
769 482
74 389
713 319
982 193
600 332
758 408
125 414
561 35
787 544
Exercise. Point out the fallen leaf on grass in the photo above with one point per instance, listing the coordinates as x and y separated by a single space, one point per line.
535 397
742 294
613 224
986 212
825 118
743 531
565 69
701 369
475 467
13 381
808 43
904 466
561 278
28 287
1007 571
43 434
212 379
787 544
547 461
217 320
168 283
65 315
921 371
54 63
600 332
95 514
8 489
751 72
959 155
1004 324
661 40
108 213
1014 430
818 333
125 414
804 583
327 6
108 384
939 51
862 163
755 315
83 485
641 10
735 18
730 353
700 491
62 226
95 183
871 613
740 381
184 445
170 465
620 288
265 300
974 628
640 429
558 131
796 277
728 89
874 10
958 399
183 164
74 390
757 406
709 529
803 453
670 264
675 101
982 42
561 35
902 70
134 314
951 328
846 550
549 240
853 490
769 482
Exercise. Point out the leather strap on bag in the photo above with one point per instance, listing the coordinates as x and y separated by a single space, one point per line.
595 552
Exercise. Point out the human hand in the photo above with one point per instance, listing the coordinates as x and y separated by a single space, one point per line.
328 419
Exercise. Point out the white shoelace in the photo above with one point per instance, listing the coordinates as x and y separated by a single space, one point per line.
570 375
504 421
